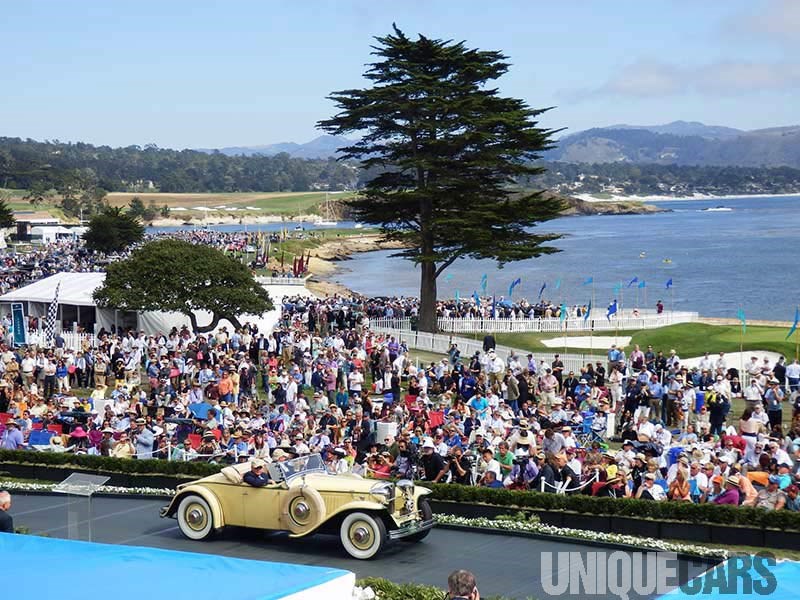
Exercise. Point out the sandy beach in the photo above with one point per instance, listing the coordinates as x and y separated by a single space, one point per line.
614 198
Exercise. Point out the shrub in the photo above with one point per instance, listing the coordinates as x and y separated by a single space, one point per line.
623 507
108 464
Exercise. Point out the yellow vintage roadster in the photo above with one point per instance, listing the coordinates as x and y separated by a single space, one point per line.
305 498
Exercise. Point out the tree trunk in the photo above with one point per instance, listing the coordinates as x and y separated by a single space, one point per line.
427 298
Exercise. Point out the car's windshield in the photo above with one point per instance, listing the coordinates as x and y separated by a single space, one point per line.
312 463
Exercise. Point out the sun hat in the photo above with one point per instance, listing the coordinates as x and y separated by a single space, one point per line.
108 430
257 463
428 443
78 432
733 480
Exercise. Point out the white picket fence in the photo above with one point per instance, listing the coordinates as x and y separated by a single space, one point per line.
438 343
546 325
72 339
300 281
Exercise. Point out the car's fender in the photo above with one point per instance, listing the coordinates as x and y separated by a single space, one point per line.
361 505
206 494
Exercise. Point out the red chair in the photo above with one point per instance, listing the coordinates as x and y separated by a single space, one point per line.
36 426
194 440
56 428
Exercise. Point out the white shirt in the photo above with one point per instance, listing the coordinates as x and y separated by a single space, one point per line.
646 428
793 371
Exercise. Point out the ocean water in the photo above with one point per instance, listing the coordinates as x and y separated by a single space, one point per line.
748 257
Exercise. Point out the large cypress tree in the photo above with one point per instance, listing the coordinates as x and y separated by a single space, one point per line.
448 149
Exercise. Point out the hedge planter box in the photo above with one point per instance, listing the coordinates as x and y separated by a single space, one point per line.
742 536
633 526
665 530
53 473
676 530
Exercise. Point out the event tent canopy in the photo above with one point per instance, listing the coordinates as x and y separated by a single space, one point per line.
75 289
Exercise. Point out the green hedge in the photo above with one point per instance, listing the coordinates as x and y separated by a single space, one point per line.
108 464
646 509
661 511
386 590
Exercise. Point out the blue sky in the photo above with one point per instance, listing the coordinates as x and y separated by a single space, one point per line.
214 73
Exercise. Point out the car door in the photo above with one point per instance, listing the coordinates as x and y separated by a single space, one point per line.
262 506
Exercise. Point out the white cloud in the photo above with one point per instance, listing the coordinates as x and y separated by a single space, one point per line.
725 78
777 21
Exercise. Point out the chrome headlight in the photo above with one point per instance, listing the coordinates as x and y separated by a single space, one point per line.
405 485
384 489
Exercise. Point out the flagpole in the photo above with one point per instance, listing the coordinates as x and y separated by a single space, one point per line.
591 329
741 345
796 340
672 303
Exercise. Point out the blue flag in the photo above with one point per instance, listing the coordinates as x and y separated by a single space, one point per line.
612 309
563 312
588 281
794 325
557 284
632 281
617 288
641 284
514 284
494 307
544 285
484 283
669 283
588 311
458 298
477 299
741 317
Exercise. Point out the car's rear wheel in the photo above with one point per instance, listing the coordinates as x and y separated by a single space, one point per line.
426 514
363 535
195 519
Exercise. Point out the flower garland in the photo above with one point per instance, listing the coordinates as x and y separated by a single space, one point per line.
444 519
22 486
595 536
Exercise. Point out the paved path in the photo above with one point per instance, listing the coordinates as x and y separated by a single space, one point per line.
504 565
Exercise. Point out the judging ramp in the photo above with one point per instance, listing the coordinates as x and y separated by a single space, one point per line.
156 573
725 581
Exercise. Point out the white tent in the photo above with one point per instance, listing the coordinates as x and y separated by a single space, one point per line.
76 305
48 234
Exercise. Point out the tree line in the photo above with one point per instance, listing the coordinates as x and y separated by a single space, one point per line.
58 167
80 174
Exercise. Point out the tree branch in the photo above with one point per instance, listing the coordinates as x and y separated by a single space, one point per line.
446 264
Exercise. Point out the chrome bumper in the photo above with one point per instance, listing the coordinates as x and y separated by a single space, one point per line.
411 528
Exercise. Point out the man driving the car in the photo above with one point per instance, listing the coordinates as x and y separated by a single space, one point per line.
256 475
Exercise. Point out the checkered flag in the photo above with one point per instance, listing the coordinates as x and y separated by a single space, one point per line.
50 323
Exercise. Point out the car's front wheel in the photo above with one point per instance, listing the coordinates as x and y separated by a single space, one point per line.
195 519
363 535
426 514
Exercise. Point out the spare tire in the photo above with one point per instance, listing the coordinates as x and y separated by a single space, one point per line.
302 510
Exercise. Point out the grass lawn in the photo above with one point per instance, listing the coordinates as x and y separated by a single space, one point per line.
269 203
689 339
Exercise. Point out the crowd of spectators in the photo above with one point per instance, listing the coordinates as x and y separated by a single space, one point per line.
632 426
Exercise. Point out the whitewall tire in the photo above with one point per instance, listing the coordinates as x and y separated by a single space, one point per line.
363 535
195 518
